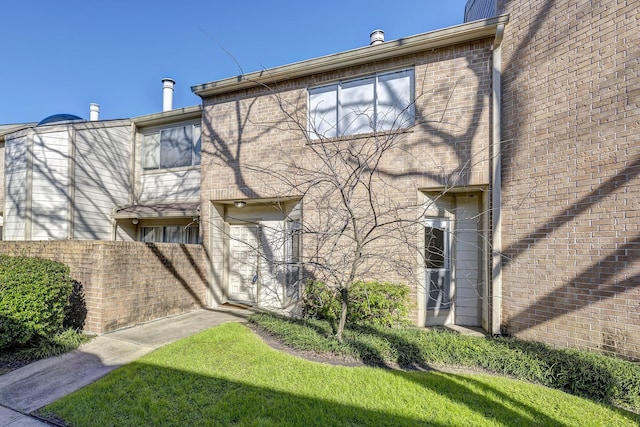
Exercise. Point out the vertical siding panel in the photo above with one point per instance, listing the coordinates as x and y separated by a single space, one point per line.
15 187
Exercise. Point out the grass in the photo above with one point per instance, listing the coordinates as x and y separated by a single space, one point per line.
229 376
606 379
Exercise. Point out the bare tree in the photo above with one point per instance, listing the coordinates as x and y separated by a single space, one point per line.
362 211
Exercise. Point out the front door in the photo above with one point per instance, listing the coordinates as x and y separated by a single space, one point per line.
244 262
437 255
257 267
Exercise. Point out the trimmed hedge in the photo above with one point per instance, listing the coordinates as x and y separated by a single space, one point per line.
34 299
377 303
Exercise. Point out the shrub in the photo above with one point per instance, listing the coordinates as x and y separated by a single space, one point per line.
320 301
595 376
377 303
34 295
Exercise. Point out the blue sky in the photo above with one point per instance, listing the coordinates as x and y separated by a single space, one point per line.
59 56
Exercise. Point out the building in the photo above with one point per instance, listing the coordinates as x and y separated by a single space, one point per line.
134 179
491 166
570 165
396 133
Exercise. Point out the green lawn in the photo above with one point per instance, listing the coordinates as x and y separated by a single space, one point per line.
227 375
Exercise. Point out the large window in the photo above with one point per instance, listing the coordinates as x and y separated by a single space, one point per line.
380 102
172 147
170 234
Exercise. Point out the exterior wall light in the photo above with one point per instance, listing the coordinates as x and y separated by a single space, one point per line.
239 203
134 221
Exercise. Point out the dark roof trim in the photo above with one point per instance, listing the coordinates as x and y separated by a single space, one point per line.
165 210
171 116
435 39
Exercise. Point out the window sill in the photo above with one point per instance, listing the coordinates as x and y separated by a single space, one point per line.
169 170
369 135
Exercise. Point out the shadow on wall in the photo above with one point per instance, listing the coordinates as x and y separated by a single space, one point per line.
168 265
77 310
609 276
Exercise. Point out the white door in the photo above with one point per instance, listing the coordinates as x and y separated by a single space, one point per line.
257 271
437 255
244 262
271 274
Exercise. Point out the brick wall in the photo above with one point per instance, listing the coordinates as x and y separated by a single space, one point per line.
571 92
253 147
126 283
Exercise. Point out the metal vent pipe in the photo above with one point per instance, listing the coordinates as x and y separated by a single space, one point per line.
167 94
376 37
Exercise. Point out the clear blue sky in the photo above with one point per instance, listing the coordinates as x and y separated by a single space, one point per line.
59 56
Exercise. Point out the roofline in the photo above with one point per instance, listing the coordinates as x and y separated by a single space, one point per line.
56 126
16 128
171 116
435 39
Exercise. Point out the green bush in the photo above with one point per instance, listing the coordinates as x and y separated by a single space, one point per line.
376 303
320 301
34 296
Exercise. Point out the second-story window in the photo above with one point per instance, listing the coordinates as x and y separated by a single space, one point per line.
375 103
172 147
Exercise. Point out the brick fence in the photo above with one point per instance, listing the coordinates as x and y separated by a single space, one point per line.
126 283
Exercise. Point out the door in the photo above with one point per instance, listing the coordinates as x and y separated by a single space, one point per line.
437 256
271 269
257 268
244 262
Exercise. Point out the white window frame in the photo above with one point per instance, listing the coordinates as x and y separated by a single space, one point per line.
152 155
159 233
334 120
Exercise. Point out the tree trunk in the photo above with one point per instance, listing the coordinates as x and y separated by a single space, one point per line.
344 293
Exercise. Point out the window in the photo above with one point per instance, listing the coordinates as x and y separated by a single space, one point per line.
436 244
371 104
170 234
172 147
292 257
293 232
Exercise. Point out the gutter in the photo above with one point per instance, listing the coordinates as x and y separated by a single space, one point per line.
496 185
432 40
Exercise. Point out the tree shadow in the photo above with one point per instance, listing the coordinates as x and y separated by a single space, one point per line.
168 265
154 391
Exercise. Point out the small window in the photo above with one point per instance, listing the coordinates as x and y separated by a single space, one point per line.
170 234
293 242
172 147
436 245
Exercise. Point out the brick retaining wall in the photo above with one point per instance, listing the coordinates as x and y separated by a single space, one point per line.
126 283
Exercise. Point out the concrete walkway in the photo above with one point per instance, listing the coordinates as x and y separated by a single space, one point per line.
29 388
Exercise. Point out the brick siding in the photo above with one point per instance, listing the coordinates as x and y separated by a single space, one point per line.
571 199
126 283
248 141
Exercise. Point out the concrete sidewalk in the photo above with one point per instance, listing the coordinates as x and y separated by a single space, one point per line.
26 389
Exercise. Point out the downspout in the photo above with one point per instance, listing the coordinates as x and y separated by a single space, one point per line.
496 186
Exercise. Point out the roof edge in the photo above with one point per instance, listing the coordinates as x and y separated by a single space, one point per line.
434 39
157 119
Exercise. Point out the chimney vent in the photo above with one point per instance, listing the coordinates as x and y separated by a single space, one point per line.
377 37
167 94
94 112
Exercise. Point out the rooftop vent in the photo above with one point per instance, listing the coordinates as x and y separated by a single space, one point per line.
167 94
377 37
94 112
